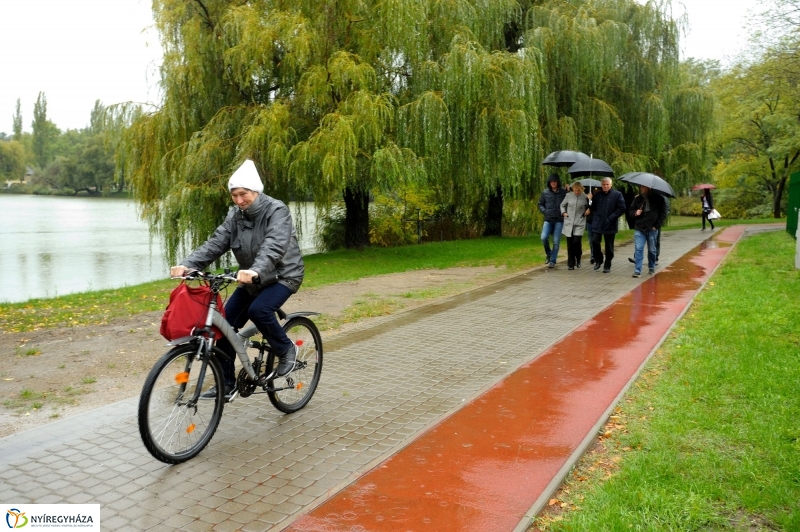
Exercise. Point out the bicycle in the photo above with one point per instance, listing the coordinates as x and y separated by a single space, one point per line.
176 422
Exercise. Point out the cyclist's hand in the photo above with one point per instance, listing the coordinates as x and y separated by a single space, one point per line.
245 276
178 271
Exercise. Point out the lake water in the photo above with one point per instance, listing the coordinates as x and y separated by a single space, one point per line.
53 246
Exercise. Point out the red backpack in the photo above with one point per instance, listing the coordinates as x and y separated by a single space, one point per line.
187 310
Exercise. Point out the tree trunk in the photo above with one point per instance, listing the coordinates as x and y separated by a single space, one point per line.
356 218
494 214
777 196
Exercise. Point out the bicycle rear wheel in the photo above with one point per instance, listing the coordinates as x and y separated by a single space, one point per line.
293 391
174 422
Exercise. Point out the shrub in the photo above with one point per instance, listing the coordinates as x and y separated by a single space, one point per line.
521 218
330 232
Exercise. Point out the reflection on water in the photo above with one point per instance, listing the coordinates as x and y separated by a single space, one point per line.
54 246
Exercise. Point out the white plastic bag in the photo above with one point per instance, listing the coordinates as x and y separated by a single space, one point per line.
714 215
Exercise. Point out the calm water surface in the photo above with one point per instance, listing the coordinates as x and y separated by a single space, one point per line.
53 246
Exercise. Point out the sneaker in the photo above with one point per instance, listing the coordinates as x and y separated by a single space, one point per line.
571 268
288 360
606 270
551 265
637 274
547 258
631 260
651 271
212 393
578 264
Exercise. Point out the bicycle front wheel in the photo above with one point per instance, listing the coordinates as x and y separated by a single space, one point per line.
293 391
175 421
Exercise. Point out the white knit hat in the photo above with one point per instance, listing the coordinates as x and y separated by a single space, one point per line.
246 176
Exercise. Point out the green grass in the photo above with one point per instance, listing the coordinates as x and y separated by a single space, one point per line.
708 438
28 399
100 307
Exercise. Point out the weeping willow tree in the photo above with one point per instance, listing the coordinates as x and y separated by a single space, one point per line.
334 99
616 87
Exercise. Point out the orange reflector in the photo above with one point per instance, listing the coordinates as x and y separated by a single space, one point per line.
182 378
298 343
299 386
190 428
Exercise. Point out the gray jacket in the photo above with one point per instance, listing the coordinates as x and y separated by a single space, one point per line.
262 238
575 207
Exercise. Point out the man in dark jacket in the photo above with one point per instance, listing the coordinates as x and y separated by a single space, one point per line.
649 211
260 233
607 206
550 207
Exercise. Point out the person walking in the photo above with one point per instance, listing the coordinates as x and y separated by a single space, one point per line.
708 205
648 212
589 228
607 206
260 233
574 209
550 207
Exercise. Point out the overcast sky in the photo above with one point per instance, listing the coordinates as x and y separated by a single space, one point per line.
80 51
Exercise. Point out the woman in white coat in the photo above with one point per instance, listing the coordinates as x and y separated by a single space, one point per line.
574 210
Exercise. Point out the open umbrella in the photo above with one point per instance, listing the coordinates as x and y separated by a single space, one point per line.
652 181
703 186
591 167
589 182
564 158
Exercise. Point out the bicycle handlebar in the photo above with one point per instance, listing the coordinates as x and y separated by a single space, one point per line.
197 275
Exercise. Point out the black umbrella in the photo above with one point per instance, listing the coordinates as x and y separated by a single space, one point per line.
591 167
564 158
652 181
588 182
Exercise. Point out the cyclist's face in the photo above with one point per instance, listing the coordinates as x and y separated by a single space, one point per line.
243 198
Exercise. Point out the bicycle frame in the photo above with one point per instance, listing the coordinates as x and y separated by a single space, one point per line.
240 341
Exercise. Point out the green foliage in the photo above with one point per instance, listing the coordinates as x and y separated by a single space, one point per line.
12 160
521 218
463 98
746 199
17 122
330 232
688 206
758 139
44 132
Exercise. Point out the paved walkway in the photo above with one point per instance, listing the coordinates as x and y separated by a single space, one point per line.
385 391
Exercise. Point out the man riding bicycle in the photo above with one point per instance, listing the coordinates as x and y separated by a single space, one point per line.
260 233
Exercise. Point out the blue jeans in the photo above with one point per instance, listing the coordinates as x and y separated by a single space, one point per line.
260 309
639 239
552 228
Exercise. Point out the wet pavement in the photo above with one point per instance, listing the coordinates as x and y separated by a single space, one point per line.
462 415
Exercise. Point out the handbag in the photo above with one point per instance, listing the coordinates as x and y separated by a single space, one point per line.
187 310
714 215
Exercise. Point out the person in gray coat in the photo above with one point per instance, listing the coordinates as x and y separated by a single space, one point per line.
574 209
260 234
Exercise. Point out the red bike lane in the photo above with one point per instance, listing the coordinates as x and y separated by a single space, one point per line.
492 465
